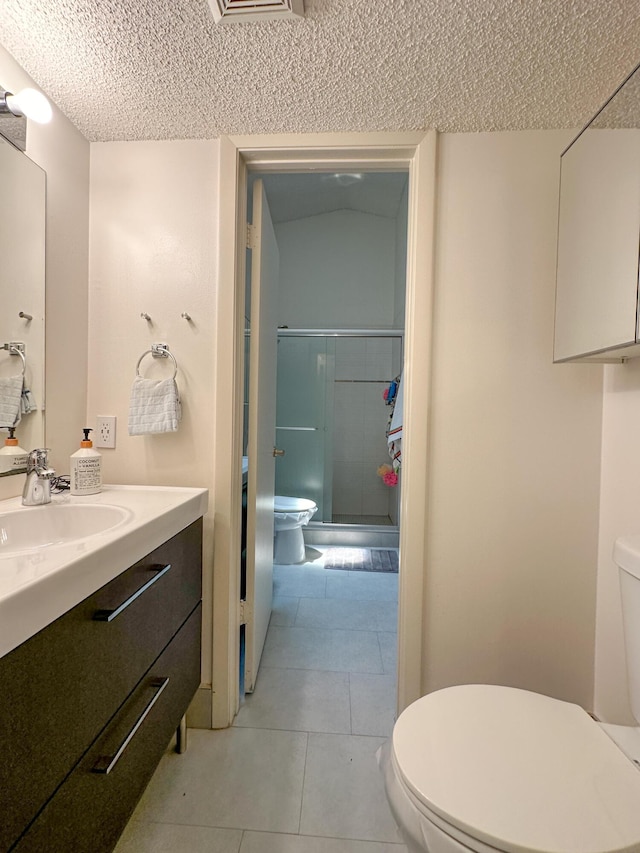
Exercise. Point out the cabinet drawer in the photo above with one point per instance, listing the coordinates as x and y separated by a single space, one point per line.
90 810
61 687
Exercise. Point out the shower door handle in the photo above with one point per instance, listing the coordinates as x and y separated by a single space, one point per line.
278 452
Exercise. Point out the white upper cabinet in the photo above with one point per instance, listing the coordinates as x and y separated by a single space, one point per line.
599 234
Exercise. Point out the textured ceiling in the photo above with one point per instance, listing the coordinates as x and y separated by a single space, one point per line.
623 110
162 69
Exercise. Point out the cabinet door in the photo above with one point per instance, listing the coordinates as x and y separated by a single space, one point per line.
90 810
598 232
61 687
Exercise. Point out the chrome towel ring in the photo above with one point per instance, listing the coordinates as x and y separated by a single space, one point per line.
17 348
159 351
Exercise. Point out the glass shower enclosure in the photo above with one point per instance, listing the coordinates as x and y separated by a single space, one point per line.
331 421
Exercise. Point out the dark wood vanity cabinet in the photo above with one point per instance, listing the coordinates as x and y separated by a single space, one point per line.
72 695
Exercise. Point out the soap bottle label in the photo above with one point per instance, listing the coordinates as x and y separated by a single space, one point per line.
13 464
86 474
19 462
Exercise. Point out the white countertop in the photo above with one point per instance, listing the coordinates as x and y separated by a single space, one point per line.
36 587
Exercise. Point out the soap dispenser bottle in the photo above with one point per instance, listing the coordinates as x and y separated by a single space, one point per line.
86 468
13 459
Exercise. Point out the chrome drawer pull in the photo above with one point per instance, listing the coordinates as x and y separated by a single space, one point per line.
106 763
110 615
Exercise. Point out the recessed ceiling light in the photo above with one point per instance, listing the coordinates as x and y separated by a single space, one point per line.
344 179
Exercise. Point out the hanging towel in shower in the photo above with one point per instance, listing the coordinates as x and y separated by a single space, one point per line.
10 397
154 406
394 433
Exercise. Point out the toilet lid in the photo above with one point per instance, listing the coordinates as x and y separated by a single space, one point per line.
519 771
285 504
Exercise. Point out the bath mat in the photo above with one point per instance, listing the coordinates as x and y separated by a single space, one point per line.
361 559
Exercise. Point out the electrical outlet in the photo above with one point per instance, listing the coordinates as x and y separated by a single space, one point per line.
105 434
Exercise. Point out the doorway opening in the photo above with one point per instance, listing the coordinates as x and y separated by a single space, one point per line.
342 239
321 153
340 251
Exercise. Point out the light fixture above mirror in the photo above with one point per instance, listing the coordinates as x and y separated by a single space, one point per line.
15 109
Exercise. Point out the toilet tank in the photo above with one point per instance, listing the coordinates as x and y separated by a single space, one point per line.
626 553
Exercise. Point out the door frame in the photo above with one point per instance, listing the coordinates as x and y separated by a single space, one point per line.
415 152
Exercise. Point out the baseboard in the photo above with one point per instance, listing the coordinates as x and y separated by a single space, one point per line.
199 715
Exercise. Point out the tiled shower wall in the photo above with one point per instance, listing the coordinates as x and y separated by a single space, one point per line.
363 369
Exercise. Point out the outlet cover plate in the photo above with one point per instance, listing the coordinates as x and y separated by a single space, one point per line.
105 432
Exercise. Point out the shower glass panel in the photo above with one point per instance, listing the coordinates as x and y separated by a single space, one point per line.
305 374
331 422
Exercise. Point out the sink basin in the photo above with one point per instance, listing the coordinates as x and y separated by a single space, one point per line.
31 528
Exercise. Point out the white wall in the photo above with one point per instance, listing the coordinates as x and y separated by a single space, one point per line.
153 249
64 154
337 270
619 515
513 521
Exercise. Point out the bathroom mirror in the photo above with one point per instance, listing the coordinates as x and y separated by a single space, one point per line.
599 229
22 286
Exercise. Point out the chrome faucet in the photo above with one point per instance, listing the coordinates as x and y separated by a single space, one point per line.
37 488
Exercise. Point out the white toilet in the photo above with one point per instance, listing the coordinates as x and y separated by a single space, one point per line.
290 516
485 768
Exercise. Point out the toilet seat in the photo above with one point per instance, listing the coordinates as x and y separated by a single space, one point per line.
516 772
291 505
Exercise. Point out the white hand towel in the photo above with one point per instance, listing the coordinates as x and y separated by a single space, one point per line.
10 397
154 406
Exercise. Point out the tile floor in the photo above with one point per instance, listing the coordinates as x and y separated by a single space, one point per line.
297 772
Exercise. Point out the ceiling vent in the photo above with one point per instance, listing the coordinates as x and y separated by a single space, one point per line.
239 11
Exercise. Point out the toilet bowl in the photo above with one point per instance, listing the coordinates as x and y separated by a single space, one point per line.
486 768
290 516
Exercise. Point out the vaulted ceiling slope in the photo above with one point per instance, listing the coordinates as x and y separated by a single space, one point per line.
162 69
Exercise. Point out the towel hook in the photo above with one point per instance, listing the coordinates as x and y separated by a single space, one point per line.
159 351
25 316
186 316
145 316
